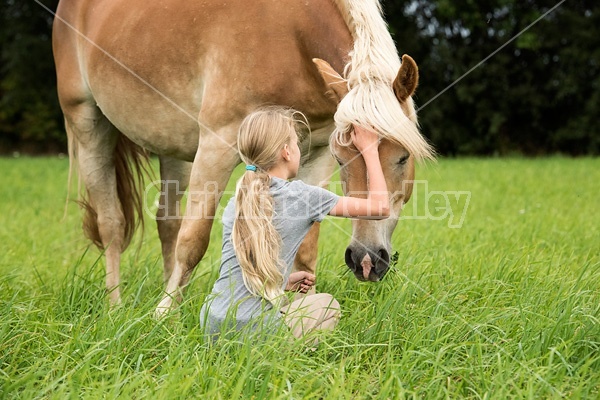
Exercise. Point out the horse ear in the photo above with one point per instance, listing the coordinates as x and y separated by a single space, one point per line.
338 85
407 80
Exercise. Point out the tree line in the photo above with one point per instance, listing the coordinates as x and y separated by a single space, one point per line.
497 77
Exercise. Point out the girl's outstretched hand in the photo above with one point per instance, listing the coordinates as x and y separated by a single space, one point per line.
300 281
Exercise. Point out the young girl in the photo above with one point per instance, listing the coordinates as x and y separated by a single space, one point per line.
267 220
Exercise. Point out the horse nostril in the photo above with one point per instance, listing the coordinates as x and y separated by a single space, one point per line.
383 262
384 256
349 262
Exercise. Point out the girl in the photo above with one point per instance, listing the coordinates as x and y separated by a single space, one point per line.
267 220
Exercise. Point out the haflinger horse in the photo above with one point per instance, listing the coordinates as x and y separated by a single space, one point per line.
176 78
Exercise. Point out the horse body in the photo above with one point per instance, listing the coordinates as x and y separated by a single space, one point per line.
176 77
158 70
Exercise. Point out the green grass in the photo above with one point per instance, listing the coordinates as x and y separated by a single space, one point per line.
506 306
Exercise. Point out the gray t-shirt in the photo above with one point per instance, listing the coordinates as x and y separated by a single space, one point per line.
296 207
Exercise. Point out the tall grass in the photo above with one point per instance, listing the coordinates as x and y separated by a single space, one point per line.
506 306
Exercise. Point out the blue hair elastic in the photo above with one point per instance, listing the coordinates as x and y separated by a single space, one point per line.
251 168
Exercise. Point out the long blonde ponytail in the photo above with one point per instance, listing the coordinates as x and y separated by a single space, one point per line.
257 244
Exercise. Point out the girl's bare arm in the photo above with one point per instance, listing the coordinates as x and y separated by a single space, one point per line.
376 205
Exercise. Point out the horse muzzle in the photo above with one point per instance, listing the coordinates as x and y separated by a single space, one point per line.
367 264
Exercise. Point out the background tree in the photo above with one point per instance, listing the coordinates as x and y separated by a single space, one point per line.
539 94
30 118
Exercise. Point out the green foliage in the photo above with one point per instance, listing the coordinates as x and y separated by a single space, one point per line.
30 118
538 94
506 306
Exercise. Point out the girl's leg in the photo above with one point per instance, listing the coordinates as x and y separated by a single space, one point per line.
310 313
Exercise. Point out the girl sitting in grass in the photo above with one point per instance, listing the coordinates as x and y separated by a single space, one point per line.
267 220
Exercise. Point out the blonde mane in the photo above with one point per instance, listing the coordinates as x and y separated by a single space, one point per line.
373 66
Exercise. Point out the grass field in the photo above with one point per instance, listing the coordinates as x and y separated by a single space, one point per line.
504 306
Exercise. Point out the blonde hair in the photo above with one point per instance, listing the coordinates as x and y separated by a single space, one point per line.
371 102
256 242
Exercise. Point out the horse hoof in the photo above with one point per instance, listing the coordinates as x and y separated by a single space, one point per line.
163 308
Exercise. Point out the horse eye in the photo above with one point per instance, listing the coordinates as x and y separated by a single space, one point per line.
403 160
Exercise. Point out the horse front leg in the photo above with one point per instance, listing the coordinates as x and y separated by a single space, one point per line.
174 180
212 167
306 258
315 171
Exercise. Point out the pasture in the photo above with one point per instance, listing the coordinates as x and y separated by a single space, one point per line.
503 303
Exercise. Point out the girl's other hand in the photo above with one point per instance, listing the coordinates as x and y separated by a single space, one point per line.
300 281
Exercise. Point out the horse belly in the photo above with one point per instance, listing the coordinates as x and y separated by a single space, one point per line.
161 123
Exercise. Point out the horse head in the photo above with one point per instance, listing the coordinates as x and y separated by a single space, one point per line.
368 254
